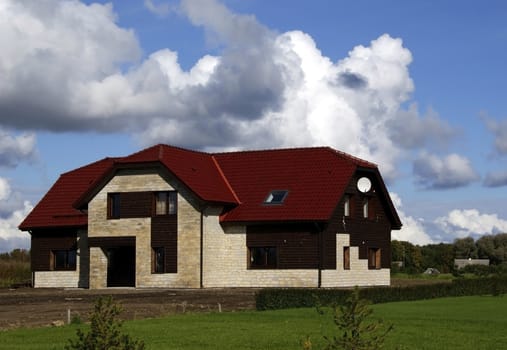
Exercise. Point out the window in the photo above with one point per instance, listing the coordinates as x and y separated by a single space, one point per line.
166 203
346 258
113 204
346 206
263 258
276 197
374 258
63 259
366 208
158 260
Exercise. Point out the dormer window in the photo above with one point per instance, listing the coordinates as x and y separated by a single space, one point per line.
276 197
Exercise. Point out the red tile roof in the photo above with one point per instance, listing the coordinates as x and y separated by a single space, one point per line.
55 208
315 179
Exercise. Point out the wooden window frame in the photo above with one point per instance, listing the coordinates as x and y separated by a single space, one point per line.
374 258
156 267
346 258
267 262
170 206
113 206
69 260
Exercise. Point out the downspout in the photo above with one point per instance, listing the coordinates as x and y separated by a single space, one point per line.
201 253
320 251
319 283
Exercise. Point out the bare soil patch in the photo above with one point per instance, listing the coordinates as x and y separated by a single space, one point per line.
27 307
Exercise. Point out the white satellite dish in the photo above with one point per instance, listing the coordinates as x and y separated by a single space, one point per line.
364 184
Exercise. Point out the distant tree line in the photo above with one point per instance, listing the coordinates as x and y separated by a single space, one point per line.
441 256
18 255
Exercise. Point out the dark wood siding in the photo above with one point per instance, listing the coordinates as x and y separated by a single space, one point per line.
371 232
136 204
44 241
111 242
164 233
297 244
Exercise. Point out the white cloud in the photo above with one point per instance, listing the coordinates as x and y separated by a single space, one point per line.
496 179
70 66
16 148
451 171
5 189
10 236
499 130
159 9
413 229
463 223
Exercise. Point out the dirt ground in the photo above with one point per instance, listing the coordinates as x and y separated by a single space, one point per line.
27 307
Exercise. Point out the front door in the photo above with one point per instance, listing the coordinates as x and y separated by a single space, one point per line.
121 266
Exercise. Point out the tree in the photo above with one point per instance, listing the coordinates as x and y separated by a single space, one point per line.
104 331
358 332
493 248
409 254
465 248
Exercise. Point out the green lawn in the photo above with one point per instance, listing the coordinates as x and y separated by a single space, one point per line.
448 323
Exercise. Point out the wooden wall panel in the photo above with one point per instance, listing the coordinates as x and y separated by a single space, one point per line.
43 241
371 232
136 204
164 233
297 244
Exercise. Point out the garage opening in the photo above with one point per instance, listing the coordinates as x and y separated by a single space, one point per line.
121 267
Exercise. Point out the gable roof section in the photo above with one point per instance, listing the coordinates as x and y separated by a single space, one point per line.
197 170
315 179
55 209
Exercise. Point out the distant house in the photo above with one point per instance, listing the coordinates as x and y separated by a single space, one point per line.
460 263
175 218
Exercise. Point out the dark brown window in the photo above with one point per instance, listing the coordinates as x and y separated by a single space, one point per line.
158 260
113 205
374 258
166 203
263 258
346 258
347 205
63 259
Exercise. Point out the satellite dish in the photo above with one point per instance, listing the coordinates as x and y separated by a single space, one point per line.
364 184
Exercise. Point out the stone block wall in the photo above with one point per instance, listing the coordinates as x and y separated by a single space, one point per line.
188 232
358 274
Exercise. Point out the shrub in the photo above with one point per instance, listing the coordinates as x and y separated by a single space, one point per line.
269 299
104 331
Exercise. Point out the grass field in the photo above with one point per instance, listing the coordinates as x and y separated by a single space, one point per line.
447 323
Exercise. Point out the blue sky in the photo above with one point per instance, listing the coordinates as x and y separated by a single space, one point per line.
416 86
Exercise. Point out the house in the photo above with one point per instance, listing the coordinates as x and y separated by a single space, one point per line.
176 218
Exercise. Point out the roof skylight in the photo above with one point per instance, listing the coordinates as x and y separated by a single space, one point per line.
276 197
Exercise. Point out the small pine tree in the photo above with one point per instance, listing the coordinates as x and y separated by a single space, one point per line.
357 332
104 331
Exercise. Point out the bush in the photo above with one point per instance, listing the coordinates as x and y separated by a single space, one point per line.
358 332
271 299
104 331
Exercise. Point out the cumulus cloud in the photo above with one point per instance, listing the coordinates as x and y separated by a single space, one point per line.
410 130
496 179
499 130
5 189
10 236
16 148
413 229
70 66
463 223
451 171
159 9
